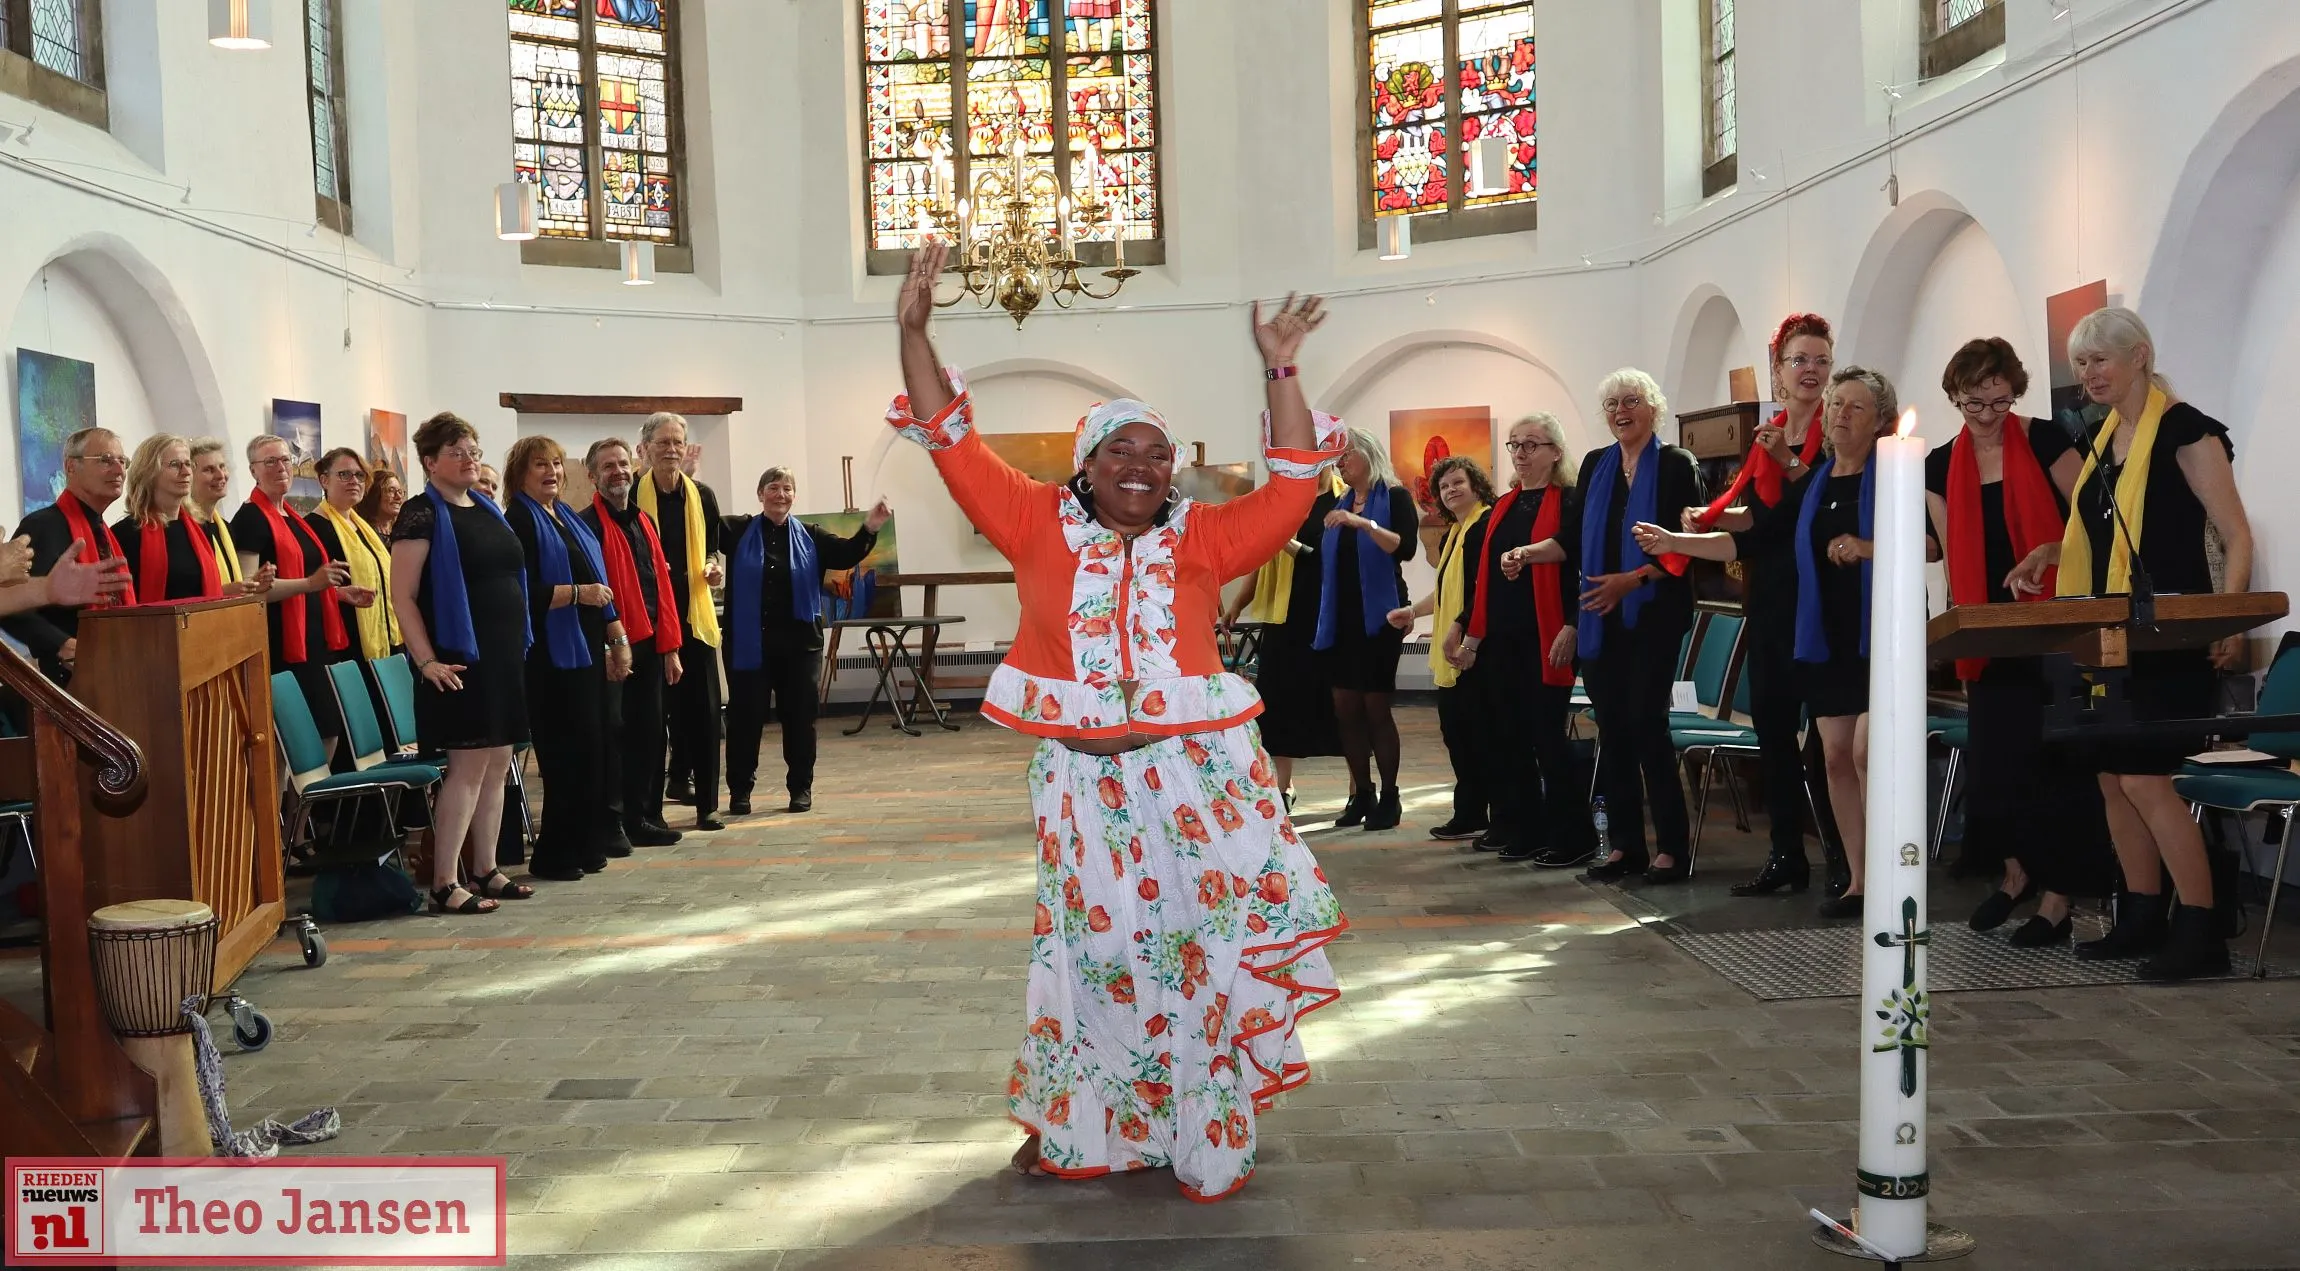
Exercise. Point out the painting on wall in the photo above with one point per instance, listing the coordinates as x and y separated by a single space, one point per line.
1044 456
839 585
298 424
55 397
1419 438
1214 482
387 442
2061 314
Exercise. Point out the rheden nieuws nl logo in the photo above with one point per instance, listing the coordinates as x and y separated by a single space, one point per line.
377 1211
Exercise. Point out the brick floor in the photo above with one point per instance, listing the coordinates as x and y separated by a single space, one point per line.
784 1045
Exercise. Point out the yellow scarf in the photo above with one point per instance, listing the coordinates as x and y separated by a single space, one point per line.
1274 581
227 550
1451 582
702 620
2076 567
378 625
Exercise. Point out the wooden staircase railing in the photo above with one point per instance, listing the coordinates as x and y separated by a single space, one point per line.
67 1089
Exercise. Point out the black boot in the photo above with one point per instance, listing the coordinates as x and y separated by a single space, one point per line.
1387 812
1792 872
2139 931
1840 875
1355 811
2193 947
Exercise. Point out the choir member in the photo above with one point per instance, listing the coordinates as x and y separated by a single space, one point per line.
1174 958
1513 625
95 471
641 581
579 653
1829 518
457 583
1464 496
774 638
343 480
1993 495
379 507
1786 447
1282 598
168 552
688 513
306 620
2155 474
1363 547
1634 613
490 484
211 481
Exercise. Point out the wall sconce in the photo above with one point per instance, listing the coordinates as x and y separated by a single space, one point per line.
1397 237
240 24
638 263
515 211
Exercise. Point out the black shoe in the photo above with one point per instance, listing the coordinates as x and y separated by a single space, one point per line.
2038 933
1564 857
1792 872
739 805
1356 810
1676 873
617 850
706 822
1992 913
1493 840
1516 852
1613 870
1386 813
1848 905
595 864
651 834
802 801
1456 830
556 871
2193 947
679 790
2140 930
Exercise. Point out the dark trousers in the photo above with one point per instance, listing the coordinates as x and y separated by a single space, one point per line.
1535 801
1629 687
573 717
635 762
784 688
1462 711
692 707
1777 712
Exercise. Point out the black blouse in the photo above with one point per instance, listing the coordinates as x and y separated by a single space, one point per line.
1404 521
2172 532
1680 488
594 618
671 524
2048 442
184 579
1510 609
782 630
252 533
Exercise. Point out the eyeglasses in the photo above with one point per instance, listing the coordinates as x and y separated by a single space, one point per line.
1631 402
1975 408
178 465
464 454
348 475
276 461
1804 361
1523 447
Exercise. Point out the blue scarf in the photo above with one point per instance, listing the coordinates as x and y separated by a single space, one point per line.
746 588
1596 508
563 627
1377 573
1812 638
451 631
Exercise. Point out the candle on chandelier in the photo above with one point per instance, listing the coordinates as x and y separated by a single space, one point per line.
1093 173
1062 222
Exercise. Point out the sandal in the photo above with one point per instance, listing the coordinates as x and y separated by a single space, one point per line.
471 904
498 886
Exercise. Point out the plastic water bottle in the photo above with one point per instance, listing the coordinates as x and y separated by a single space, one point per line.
1597 818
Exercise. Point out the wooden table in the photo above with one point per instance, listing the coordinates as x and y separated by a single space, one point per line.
933 585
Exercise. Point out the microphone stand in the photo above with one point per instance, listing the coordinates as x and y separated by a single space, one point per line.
2143 592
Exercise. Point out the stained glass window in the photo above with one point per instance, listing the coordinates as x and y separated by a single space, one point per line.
60 37
1721 135
1450 90
323 58
1955 13
594 116
951 86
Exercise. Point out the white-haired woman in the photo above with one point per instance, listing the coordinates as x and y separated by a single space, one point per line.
2167 468
1635 610
1369 536
1828 518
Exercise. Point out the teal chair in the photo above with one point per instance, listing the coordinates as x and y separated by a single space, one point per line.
397 680
2259 789
1721 732
1954 733
1695 635
310 781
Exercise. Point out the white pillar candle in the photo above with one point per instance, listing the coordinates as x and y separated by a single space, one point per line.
1896 1009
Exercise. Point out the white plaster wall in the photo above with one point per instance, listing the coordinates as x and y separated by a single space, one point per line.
59 315
1965 294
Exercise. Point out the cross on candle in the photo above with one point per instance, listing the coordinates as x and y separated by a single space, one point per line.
1907 939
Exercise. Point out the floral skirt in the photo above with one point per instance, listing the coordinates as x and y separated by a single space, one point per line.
1180 938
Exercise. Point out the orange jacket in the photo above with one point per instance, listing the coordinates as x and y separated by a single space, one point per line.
1099 611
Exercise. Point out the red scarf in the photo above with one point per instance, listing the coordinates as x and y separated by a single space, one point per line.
2032 517
152 560
1764 471
1548 604
95 542
623 580
288 548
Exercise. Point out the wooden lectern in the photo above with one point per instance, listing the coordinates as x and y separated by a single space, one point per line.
190 682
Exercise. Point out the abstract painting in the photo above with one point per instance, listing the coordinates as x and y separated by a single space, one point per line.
298 424
55 397
2061 314
387 441
1043 456
1419 438
839 586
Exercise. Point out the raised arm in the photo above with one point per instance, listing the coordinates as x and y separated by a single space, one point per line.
922 377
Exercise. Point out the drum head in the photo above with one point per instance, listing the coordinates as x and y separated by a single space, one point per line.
151 915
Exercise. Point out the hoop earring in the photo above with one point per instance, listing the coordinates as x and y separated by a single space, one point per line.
1173 496
1085 485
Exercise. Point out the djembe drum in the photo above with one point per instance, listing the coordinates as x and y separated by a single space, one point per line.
149 955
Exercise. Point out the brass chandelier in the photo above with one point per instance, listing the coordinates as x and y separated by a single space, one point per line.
1007 259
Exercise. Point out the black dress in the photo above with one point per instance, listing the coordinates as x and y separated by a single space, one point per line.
1358 661
2177 683
1297 720
184 582
252 533
491 708
1840 685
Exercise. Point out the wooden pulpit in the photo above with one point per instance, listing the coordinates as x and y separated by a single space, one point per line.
191 684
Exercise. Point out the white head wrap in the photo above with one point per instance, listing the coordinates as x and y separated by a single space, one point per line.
1107 418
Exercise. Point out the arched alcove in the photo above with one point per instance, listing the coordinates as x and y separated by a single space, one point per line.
1705 345
1931 279
1452 368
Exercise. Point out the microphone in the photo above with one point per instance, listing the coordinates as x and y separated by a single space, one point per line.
2142 591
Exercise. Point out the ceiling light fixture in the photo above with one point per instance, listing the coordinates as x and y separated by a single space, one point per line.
515 211
1397 237
638 263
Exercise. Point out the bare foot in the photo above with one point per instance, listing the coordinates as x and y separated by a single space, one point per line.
1026 1159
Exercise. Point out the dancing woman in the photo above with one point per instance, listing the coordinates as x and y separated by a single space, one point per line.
1181 922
